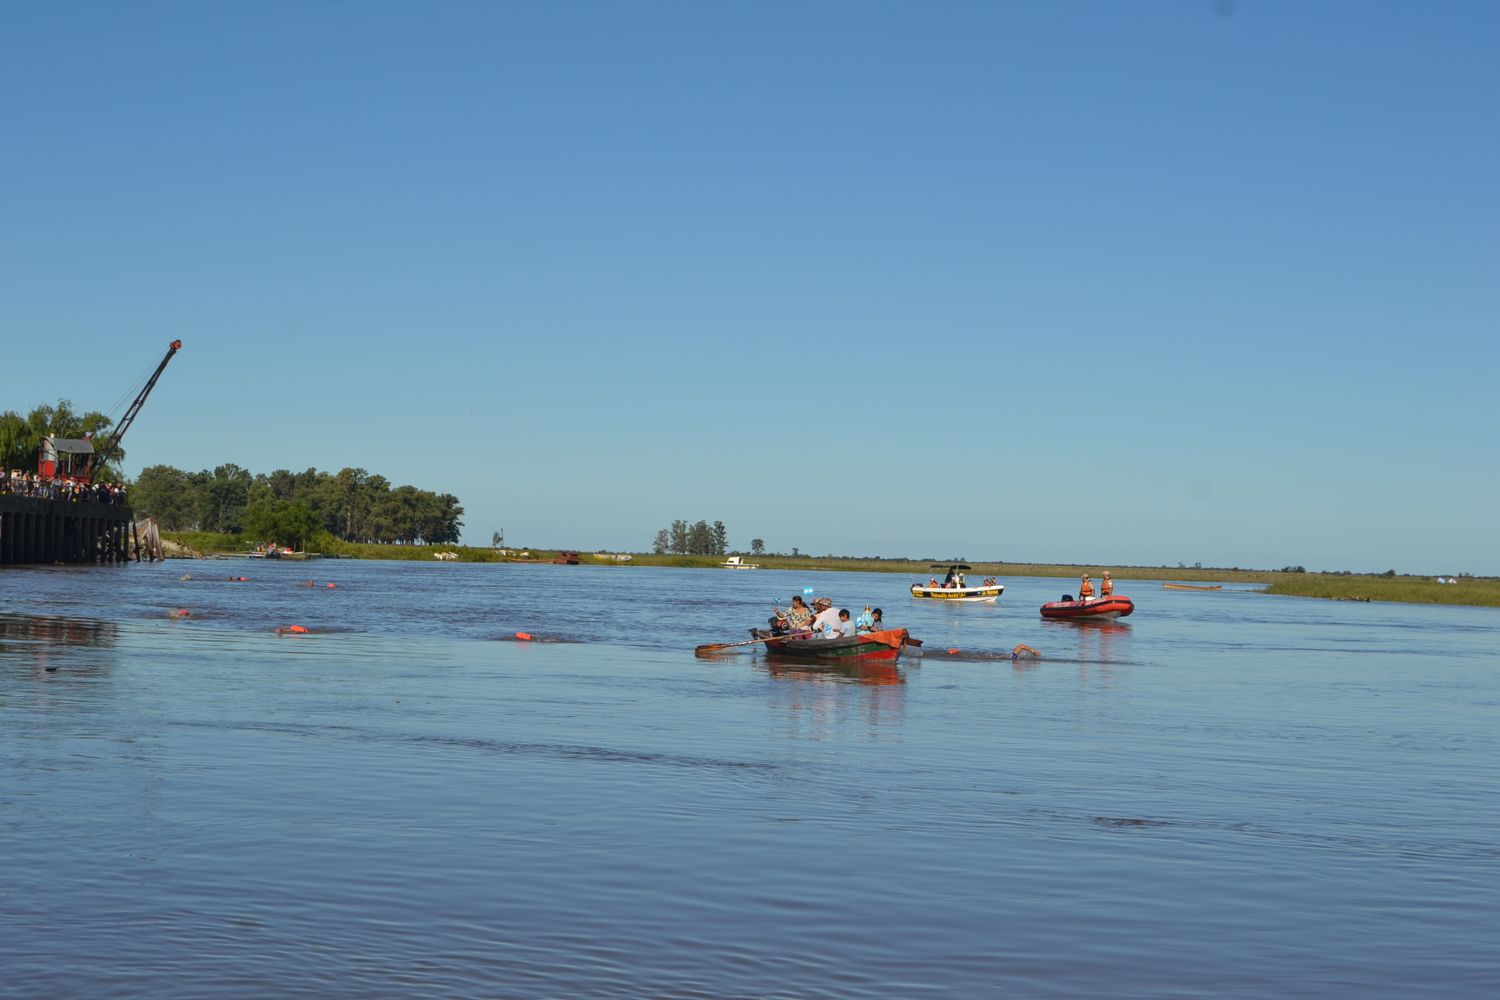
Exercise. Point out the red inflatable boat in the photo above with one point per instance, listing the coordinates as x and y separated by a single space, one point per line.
1100 609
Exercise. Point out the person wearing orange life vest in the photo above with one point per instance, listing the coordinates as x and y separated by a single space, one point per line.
1085 589
1106 585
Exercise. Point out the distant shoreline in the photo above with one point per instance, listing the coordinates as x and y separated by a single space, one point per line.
1469 591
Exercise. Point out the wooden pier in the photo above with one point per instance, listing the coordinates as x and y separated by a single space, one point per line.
37 530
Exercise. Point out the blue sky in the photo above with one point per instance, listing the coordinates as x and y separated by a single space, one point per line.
1094 282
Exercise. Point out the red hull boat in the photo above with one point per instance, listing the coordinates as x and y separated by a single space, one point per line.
1099 609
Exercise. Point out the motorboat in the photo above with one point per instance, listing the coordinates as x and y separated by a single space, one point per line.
1099 609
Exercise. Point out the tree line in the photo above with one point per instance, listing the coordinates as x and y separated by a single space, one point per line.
692 539
293 508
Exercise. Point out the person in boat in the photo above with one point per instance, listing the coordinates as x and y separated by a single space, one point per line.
875 624
951 580
1085 589
846 625
1106 585
780 623
799 615
825 618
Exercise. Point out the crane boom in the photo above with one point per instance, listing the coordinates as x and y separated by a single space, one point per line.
112 443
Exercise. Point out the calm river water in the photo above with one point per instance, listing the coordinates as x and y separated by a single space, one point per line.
1225 795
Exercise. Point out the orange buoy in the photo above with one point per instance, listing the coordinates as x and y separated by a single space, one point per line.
296 628
524 636
953 651
332 585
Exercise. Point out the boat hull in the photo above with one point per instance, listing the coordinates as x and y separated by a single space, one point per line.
886 645
1099 609
988 595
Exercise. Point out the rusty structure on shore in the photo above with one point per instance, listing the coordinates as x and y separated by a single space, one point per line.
77 524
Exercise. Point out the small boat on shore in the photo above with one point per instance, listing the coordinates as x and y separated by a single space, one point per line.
886 645
1189 586
738 562
1099 609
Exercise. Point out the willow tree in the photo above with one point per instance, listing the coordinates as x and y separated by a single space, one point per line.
21 437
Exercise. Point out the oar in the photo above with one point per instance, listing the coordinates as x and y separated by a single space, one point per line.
748 642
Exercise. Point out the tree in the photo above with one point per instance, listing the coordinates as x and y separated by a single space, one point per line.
680 537
721 538
282 522
758 546
701 539
397 516
438 520
662 543
167 494
222 497
497 539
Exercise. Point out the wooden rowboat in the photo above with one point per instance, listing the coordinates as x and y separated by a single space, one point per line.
1189 586
885 645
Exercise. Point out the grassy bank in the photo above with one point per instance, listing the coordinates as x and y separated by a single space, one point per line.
1483 592
1335 586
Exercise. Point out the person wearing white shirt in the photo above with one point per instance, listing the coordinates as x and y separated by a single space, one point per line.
826 621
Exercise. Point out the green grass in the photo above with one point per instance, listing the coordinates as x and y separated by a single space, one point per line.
1480 591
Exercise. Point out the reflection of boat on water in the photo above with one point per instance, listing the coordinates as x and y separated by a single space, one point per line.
49 631
1189 586
1101 626
1095 609
872 672
886 645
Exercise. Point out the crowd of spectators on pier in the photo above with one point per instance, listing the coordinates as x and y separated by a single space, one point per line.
34 484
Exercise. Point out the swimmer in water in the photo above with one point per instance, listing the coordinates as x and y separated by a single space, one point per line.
1023 650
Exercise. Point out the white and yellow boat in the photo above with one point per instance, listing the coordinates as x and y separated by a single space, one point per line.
987 592
978 594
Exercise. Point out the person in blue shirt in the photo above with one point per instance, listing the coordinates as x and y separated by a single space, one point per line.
846 624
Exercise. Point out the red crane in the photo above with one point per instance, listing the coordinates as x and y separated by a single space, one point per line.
111 444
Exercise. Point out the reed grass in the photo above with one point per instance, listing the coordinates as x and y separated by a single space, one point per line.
1479 591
